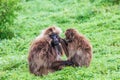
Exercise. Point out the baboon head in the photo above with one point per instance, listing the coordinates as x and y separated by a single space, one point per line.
51 34
70 34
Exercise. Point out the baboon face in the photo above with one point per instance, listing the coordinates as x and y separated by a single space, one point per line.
69 34
55 39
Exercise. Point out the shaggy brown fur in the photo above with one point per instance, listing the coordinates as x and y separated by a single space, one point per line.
79 48
42 56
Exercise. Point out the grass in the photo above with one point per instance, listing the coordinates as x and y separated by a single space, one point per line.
97 20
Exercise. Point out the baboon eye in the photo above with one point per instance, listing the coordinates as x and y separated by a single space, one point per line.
53 35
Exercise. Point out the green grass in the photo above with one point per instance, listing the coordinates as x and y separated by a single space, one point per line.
97 20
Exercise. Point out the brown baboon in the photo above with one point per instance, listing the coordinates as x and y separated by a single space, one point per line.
45 52
79 48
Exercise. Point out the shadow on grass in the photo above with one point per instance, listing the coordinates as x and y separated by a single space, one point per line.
6 34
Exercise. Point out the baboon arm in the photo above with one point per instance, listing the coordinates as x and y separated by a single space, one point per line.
57 65
64 46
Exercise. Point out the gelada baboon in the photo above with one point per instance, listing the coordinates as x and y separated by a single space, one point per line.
79 48
45 52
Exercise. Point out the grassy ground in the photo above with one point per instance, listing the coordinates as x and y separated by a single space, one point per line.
99 20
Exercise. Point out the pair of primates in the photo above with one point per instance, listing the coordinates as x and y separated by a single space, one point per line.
46 51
